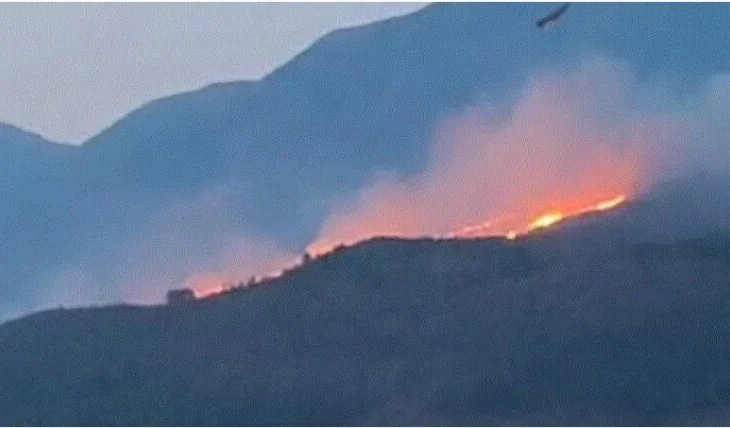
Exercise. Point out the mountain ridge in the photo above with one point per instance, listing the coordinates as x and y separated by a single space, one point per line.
400 332
284 150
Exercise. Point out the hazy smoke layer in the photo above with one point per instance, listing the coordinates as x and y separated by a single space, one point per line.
571 139
199 243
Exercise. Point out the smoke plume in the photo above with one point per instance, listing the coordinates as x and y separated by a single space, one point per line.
572 139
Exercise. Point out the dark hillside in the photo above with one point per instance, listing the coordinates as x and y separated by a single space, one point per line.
393 332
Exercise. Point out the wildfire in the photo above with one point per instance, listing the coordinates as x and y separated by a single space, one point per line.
546 220
506 226
542 221
609 204
212 284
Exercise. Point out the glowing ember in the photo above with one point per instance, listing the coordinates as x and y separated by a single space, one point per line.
475 229
546 220
207 284
542 221
611 203
210 284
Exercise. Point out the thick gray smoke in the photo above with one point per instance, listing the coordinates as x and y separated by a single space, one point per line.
573 138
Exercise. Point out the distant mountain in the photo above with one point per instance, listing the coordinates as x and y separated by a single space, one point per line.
280 151
29 160
39 212
367 99
393 332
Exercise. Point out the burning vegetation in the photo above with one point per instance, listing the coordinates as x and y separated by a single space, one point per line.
509 226
561 153
545 220
506 226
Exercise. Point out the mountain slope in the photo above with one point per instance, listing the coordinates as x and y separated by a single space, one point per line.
396 332
39 211
367 99
284 149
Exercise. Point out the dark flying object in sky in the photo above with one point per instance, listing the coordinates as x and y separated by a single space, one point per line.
553 16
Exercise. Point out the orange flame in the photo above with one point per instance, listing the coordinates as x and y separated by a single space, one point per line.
211 284
609 204
545 220
208 284
498 227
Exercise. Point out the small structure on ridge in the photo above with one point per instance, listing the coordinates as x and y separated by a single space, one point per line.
180 296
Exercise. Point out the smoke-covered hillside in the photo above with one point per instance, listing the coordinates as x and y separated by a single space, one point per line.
210 180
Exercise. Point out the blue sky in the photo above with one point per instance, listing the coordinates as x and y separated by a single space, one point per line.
68 70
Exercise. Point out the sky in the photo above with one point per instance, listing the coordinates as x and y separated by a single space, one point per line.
69 70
